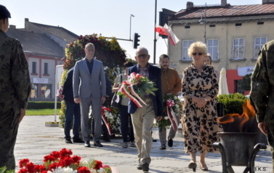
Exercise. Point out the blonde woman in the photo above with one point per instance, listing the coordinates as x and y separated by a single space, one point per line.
199 89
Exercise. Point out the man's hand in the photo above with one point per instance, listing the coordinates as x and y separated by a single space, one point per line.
159 118
77 100
103 99
22 114
263 127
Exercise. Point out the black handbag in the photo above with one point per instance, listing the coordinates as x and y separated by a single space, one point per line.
113 103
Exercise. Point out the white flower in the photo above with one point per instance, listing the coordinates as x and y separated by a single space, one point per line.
166 118
63 170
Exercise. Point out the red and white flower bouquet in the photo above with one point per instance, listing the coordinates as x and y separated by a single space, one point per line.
63 162
136 87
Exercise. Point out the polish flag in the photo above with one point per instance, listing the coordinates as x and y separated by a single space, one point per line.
161 30
173 39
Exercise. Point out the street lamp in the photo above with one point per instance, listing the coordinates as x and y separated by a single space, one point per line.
203 21
131 15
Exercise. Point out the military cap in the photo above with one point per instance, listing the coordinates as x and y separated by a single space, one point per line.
4 12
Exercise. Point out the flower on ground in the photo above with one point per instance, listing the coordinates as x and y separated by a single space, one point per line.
63 162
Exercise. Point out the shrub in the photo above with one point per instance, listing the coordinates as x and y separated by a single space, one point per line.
233 103
43 105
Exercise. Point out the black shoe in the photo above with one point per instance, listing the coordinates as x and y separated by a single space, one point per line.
97 144
163 147
145 166
154 140
106 139
170 143
139 167
68 141
78 140
87 144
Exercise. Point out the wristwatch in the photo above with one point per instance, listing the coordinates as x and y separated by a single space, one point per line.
206 99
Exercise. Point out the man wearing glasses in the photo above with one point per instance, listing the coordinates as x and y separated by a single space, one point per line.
142 118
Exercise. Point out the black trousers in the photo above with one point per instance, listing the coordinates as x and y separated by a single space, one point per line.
8 133
126 124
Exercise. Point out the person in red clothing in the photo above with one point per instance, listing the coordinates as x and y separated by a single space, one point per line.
171 84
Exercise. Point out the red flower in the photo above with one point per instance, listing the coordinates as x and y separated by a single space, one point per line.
55 154
65 152
98 164
23 162
83 170
53 166
50 158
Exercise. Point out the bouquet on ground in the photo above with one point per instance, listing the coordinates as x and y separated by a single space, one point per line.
111 120
172 108
63 162
136 87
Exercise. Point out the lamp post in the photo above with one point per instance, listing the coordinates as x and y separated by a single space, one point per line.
131 15
155 20
203 21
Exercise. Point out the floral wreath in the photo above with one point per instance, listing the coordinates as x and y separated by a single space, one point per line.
63 161
136 87
111 120
172 108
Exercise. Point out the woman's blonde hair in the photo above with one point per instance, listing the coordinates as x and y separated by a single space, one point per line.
198 47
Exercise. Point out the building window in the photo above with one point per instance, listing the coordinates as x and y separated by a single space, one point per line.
213 48
238 48
33 68
258 43
34 91
46 68
185 46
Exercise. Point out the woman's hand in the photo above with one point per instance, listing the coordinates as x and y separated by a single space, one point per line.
115 87
200 102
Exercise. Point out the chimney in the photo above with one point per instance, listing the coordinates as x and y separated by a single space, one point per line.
12 27
268 2
189 5
223 3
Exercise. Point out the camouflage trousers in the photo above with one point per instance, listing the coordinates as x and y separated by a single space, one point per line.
270 138
8 132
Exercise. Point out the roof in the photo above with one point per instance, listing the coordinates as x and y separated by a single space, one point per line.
224 11
58 31
36 43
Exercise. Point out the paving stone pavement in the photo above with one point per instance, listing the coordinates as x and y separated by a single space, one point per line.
35 140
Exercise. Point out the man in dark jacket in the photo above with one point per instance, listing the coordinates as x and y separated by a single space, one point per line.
72 111
15 89
142 118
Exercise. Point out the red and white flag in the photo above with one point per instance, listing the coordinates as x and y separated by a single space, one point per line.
173 39
161 30
166 30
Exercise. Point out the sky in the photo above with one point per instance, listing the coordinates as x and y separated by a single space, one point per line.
110 18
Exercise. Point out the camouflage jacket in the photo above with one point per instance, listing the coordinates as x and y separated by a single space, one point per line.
262 84
15 83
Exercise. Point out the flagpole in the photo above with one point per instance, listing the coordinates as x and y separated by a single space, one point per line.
154 56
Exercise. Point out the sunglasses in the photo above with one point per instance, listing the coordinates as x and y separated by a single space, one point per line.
194 54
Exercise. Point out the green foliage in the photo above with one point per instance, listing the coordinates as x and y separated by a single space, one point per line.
4 170
43 105
246 82
233 103
107 50
42 111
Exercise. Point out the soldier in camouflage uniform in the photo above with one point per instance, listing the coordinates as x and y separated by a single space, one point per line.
262 92
15 88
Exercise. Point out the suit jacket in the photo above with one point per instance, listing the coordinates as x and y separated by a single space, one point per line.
67 88
86 84
157 100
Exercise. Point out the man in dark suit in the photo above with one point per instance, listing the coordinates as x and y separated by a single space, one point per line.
72 111
89 89
142 118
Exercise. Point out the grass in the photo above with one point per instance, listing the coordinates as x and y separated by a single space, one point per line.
42 111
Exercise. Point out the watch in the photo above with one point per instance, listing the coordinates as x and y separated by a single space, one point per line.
206 99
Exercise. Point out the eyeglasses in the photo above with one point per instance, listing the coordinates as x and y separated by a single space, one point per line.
194 54
142 56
